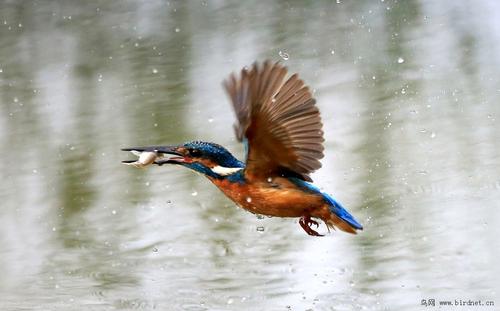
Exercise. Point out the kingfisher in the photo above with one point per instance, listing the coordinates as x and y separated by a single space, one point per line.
280 126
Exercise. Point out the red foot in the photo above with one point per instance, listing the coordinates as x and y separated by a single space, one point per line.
305 222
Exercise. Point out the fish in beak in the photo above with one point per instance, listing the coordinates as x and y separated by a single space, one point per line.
155 155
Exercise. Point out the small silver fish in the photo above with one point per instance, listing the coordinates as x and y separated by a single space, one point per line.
145 159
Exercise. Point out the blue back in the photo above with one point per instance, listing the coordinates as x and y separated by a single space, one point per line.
335 207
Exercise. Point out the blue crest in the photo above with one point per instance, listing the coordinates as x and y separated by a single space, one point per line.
217 154
214 152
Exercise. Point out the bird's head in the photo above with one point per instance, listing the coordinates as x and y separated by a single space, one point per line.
210 159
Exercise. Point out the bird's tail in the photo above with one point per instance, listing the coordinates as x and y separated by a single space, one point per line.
340 217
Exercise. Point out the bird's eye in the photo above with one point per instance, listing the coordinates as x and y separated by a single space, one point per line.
194 152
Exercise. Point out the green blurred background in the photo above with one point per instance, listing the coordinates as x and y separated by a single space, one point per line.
409 93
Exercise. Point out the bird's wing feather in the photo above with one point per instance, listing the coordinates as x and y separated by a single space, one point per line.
279 120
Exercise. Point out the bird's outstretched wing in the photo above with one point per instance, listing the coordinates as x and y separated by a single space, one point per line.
279 120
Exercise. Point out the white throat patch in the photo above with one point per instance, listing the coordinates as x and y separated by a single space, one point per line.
224 171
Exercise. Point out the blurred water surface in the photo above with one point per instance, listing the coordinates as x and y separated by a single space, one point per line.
409 93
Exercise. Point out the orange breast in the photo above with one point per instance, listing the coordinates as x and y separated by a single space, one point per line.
277 198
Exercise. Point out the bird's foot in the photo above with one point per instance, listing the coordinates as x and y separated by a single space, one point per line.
305 222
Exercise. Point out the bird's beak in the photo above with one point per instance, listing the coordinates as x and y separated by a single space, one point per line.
155 155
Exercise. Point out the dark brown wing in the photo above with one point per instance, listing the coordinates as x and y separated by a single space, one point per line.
278 118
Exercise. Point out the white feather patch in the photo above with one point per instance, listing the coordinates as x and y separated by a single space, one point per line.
224 171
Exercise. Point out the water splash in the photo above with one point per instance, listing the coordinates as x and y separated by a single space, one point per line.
284 55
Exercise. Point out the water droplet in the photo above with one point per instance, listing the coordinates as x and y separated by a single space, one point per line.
177 29
155 70
16 99
269 179
1 70
35 171
403 91
155 250
249 199
401 60
433 135
194 193
99 78
210 120
54 229
155 125
374 77
284 55
147 184
113 212
136 44
332 52
260 229
230 301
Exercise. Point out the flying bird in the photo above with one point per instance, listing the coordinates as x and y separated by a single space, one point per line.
281 129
